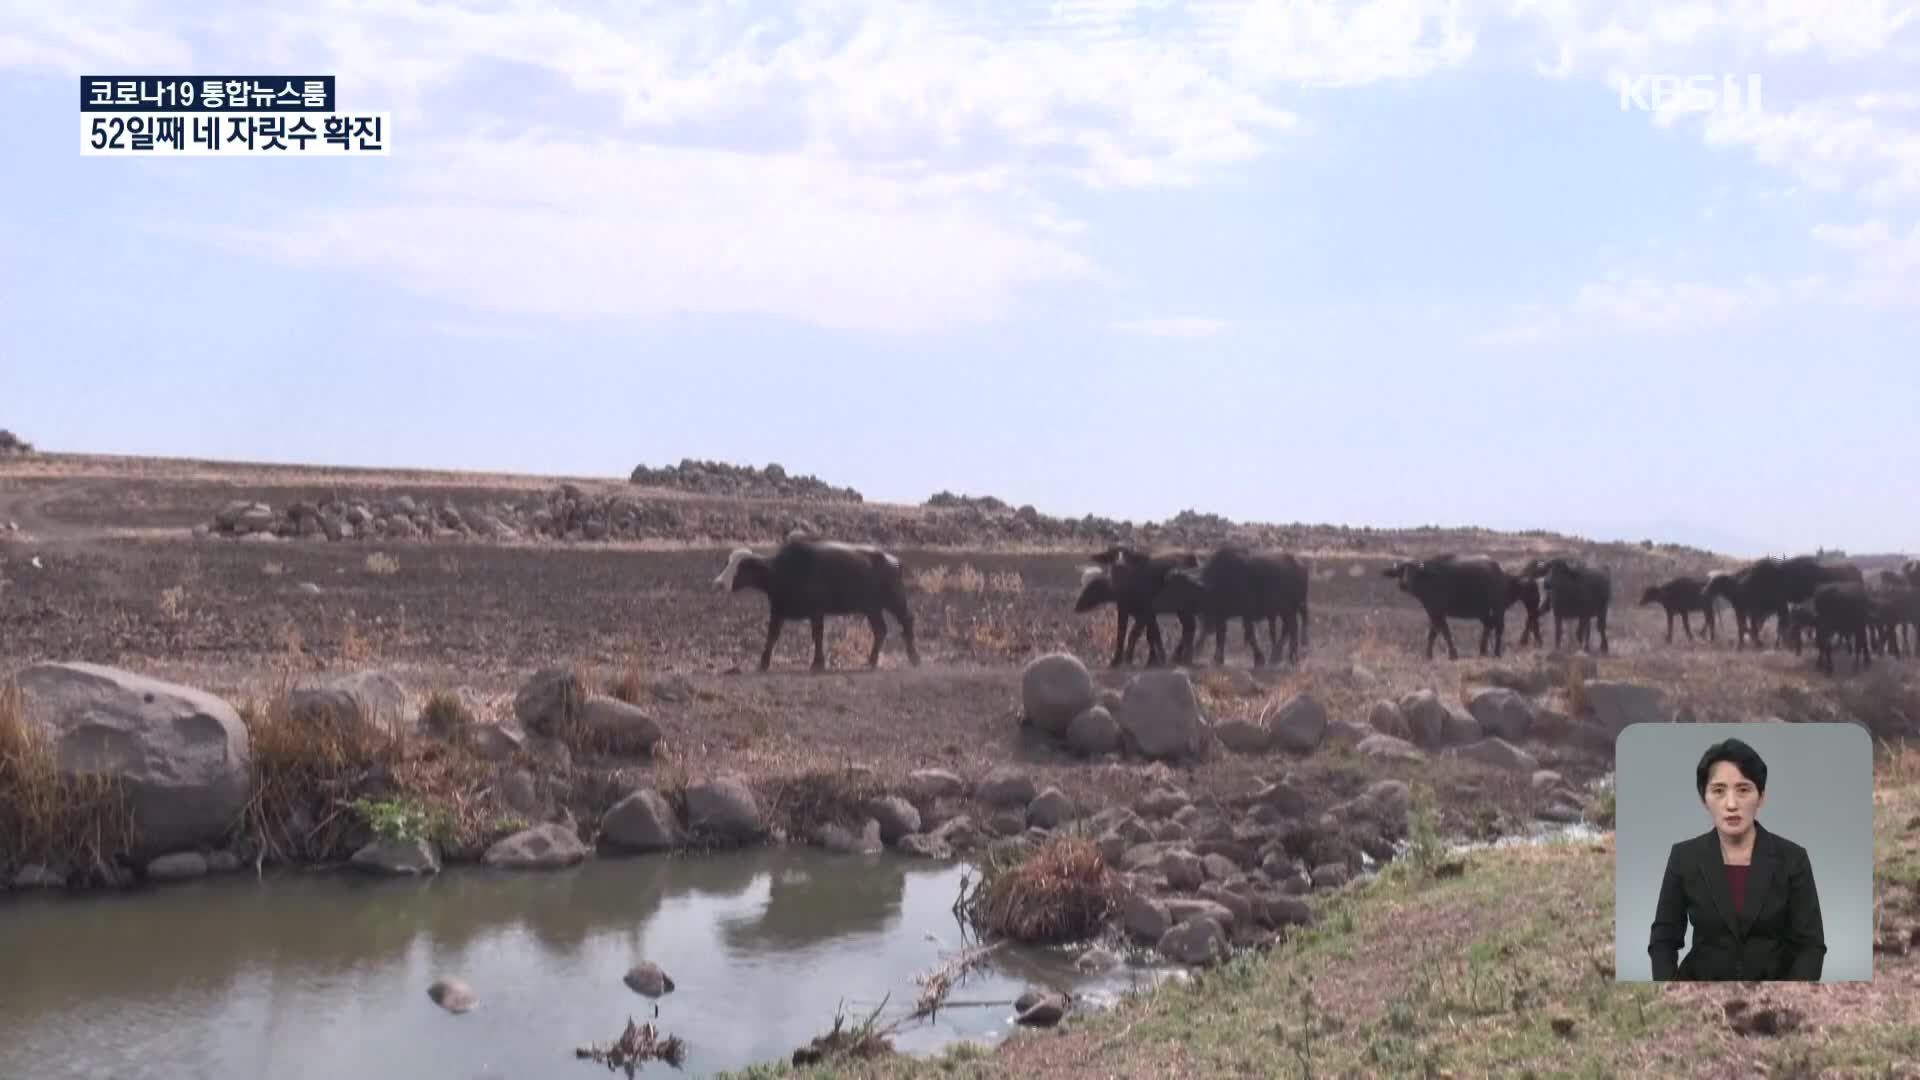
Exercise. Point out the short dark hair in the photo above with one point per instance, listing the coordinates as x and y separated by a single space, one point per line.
1744 757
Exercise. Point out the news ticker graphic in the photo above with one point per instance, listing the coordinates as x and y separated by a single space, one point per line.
262 115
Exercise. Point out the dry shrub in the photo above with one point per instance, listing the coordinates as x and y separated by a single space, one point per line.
628 686
864 1041
68 821
931 580
307 765
1061 891
1577 689
382 564
1007 581
173 603
311 766
968 579
447 717
355 647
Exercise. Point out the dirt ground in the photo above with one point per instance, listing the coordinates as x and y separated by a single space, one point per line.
103 565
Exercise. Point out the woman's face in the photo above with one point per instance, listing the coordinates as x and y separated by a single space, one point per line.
1731 800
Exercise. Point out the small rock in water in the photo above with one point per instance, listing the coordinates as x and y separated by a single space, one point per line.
452 994
1037 1008
1097 959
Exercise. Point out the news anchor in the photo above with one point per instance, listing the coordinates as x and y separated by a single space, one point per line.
1749 893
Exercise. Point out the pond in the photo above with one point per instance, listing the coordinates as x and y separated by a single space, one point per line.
325 974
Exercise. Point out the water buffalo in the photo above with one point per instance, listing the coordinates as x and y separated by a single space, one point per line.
1770 584
1533 600
1235 583
1130 579
1731 586
1836 609
1458 587
811 579
1578 591
1683 596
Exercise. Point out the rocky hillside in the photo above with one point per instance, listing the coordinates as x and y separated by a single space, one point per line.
741 481
566 513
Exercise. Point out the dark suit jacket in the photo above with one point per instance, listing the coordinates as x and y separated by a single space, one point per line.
1777 935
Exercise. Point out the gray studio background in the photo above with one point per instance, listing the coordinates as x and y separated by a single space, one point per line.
1819 795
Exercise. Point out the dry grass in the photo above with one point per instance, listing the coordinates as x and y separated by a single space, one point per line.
966 579
173 603
1060 891
61 820
382 564
630 685
445 716
310 769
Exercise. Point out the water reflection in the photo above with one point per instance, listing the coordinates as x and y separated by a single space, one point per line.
325 975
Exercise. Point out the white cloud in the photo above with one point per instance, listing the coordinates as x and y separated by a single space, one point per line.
1176 327
1888 260
612 230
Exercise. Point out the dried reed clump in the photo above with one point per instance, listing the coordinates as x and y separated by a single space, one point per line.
58 819
1061 891
446 716
382 564
306 765
311 766
630 685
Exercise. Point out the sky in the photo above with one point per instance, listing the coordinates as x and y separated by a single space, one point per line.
1387 263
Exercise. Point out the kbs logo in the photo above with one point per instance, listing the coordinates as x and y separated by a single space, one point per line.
1690 93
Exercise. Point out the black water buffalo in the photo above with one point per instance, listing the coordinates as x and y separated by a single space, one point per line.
1836 609
1683 596
1771 584
1894 615
1235 583
1130 579
1526 592
1458 587
1731 586
811 579
1577 591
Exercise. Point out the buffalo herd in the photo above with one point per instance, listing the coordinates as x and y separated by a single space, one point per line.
808 578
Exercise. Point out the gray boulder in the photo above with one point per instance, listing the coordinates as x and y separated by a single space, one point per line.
724 807
1094 732
400 857
181 755
1196 942
1243 737
544 847
1502 713
373 700
1160 716
1300 724
178 866
1054 689
1615 705
642 821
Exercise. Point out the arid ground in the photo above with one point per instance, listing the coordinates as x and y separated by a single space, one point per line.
110 560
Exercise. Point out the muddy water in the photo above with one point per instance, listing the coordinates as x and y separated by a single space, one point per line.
325 975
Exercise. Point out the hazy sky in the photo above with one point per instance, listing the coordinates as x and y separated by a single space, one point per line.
1386 263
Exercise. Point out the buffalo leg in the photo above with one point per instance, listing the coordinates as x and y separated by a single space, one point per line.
1670 626
774 623
878 622
1119 635
1686 623
1296 629
905 615
1156 646
818 624
1253 643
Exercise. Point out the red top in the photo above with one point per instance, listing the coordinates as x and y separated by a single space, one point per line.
1737 880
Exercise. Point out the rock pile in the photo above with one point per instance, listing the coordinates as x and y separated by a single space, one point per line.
720 478
567 513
